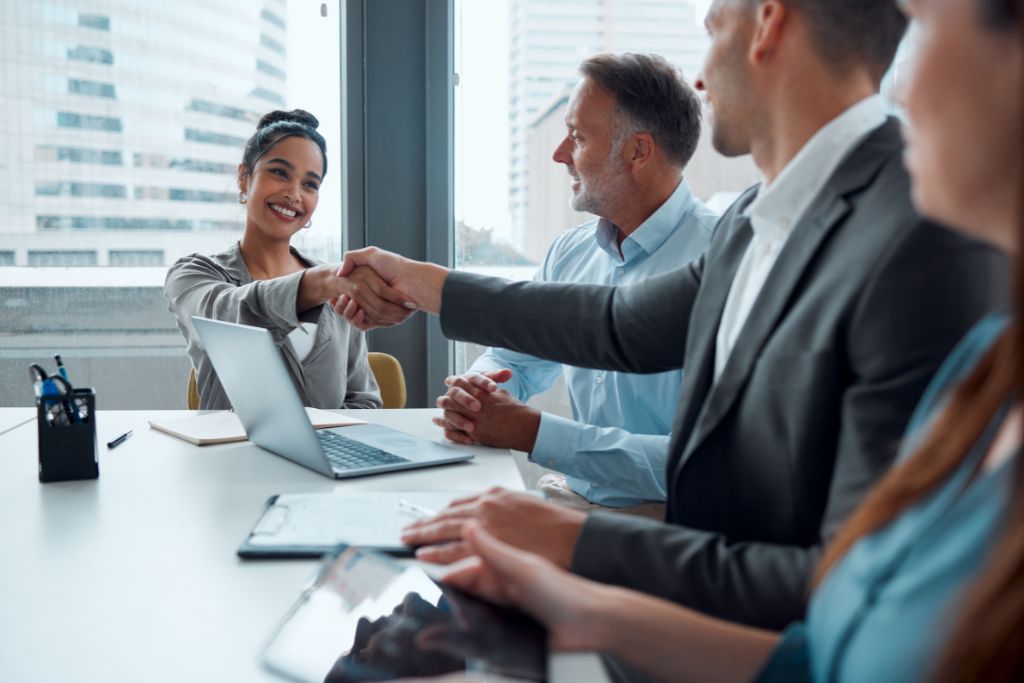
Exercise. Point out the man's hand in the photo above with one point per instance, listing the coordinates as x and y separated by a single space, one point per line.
518 519
381 302
322 284
477 411
466 390
417 284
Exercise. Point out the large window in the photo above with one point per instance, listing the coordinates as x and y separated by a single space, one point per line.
517 62
122 129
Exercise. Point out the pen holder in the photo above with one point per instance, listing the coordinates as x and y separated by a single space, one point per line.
67 436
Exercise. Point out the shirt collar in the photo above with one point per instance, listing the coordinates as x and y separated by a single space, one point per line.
778 206
653 232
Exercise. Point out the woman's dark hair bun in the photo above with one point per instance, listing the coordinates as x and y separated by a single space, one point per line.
295 116
277 125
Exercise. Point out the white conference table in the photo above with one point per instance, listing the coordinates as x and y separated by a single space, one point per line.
12 418
134 577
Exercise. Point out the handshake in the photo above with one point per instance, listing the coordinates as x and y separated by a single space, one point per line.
375 288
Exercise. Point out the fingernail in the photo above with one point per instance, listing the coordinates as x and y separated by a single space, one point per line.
410 305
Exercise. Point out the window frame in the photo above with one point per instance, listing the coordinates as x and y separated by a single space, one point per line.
397 92
398 131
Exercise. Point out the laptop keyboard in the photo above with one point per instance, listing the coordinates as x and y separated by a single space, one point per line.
348 454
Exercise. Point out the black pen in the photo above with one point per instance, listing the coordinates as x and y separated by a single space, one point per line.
119 440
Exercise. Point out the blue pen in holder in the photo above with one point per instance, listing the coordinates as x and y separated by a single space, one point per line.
67 436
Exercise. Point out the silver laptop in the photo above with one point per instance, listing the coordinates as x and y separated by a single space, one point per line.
254 376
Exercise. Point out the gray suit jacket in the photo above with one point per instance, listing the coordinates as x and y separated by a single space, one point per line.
860 308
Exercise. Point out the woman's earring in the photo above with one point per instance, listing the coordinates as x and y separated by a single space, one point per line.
308 225
242 197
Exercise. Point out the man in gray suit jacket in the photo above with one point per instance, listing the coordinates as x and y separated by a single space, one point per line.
807 331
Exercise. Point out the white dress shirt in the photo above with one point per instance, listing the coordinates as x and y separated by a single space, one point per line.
301 340
779 206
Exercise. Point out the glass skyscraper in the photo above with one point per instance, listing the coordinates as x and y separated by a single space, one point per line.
124 123
549 38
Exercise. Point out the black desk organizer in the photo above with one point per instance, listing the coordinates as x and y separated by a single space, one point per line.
67 436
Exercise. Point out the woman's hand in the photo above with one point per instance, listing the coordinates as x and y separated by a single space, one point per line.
667 641
378 300
418 284
505 575
386 305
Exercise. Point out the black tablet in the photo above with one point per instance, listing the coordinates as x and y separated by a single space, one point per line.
368 617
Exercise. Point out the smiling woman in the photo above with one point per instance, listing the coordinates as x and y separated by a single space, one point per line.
124 127
263 281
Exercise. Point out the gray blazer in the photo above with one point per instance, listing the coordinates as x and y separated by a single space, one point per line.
862 305
335 374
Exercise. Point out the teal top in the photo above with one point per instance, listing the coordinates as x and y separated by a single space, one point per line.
886 610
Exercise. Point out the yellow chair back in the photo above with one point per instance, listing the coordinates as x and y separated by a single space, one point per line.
193 392
390 378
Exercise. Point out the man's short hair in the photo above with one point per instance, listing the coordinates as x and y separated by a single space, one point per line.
651 97
851 33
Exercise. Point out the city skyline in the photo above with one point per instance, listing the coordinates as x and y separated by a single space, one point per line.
126 123
501 168
547 41
192 205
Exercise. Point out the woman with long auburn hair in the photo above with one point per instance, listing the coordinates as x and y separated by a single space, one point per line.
925 582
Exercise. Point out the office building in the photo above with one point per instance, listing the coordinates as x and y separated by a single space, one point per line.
124 122
715 179
549 38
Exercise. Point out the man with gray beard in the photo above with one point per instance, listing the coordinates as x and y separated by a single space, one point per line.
632 124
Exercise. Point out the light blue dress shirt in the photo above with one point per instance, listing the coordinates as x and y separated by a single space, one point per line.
614 451
885 611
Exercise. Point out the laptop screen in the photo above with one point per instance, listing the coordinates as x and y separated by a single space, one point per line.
369 618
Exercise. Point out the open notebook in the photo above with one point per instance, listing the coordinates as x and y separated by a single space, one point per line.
223 426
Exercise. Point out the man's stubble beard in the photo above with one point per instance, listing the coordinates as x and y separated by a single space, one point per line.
604 190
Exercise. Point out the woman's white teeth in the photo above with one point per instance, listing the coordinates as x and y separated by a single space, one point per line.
281 209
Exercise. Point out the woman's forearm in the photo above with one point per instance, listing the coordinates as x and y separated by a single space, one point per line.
665 640
313 288
673 643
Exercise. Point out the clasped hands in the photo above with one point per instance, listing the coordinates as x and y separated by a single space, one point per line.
478 411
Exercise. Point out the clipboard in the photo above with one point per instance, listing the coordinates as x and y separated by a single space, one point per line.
302 525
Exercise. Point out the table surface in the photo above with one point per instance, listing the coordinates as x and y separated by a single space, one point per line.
12 418
134 576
